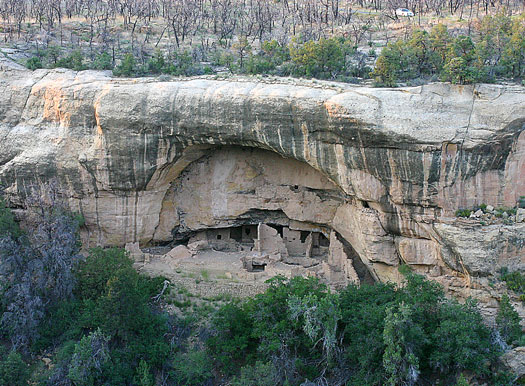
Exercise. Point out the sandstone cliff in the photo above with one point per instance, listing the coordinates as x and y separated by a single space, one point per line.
147 159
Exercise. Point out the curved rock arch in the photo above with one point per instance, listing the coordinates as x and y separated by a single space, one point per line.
414 155
232 186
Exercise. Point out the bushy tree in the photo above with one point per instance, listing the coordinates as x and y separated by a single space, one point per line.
271 55
143 376
508 321
89 357
461 66
403 339
120 336
319 318
13 369
461 341
260 374
265 329
421 58
157 64
127 67
308 333
193 368
93 273
37 271
232 343
439 43
324 58
390 65
513 55
73 61
8 224
498 52
103 61
364 311
34 63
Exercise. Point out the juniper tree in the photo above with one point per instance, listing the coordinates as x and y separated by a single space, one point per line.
36 270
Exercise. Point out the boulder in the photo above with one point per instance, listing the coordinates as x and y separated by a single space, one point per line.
520 215
179 252
514 360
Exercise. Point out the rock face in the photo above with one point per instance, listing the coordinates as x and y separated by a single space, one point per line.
152 161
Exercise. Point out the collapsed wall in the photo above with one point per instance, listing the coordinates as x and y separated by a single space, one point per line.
385 169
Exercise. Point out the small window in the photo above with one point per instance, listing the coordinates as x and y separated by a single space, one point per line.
304 236
258 267
219 237
236 234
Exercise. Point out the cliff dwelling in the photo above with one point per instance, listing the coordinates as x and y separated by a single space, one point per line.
253 214
360 175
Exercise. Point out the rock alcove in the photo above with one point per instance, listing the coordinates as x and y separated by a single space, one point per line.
385 169
273 214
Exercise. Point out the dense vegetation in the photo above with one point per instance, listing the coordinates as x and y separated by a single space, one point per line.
300 333
498 53
303 38
102 323
515 282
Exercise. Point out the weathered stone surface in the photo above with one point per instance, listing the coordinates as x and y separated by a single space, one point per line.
520 215
418 251
482 250
135 253
179 252
384 168
269 243
339 267
514 360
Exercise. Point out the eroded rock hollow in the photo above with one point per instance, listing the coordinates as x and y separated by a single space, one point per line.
373 175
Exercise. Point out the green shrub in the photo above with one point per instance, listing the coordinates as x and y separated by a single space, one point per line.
260 374
403 340
462 381
322 59
13 370
127 67
89 357
193 368
463 213
402 333
94 272
461 341
8 224
157 64
508 321
143 376
232 345
498 52
74 61
34 63
114 301
515 280
103 61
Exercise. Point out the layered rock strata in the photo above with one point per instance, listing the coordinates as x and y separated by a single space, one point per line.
150 161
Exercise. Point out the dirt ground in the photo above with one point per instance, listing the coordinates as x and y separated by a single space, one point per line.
208 274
